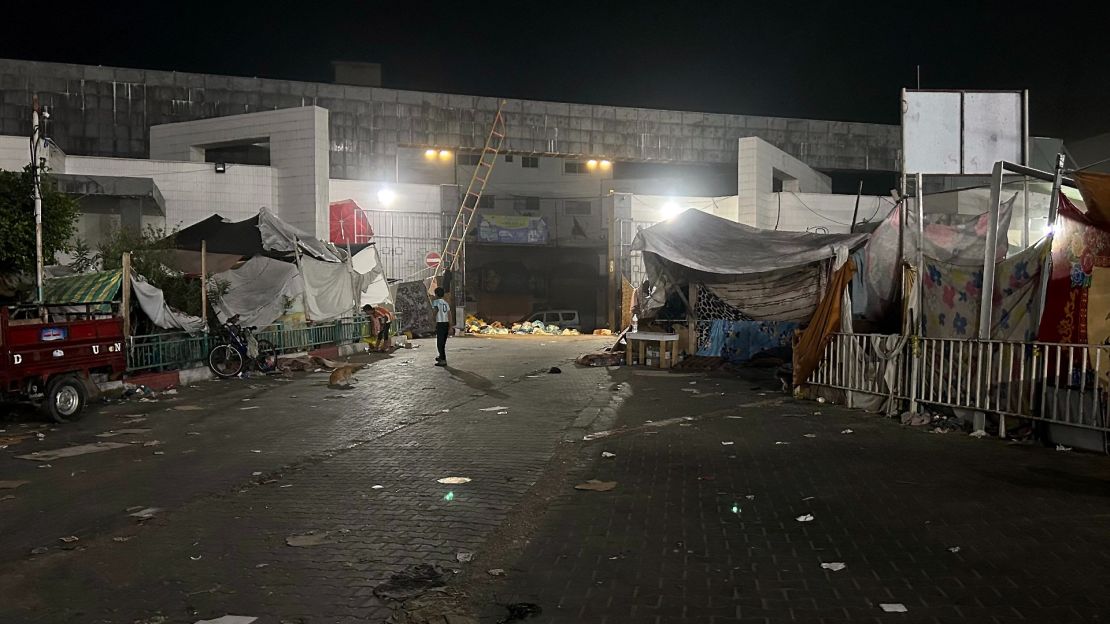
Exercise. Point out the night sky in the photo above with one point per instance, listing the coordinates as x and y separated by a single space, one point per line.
831 60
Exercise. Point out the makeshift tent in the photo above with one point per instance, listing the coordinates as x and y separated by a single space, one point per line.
330 289
83 289
750 288
263 234
153 303
69 293
958 240
1079 283
258 291
765 274
368 262
347 223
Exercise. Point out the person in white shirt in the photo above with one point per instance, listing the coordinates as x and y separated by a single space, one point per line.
443 326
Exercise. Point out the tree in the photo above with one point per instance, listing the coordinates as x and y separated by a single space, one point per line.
17 221
151 256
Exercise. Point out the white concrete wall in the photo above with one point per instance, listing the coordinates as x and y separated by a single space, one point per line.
298 140
193 190
15 154
816 212
651 209
757 162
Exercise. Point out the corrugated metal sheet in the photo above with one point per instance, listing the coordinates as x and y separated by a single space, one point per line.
404 239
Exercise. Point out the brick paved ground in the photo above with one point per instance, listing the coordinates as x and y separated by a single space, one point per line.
1032 525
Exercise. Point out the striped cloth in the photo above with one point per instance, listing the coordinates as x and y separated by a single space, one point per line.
79 289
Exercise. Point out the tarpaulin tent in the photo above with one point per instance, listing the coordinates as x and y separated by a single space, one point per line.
750 287
264 234
765 274
69 293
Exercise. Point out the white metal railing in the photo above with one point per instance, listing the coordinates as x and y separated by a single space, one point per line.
1058 383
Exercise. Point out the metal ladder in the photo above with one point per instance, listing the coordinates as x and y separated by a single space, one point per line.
486 160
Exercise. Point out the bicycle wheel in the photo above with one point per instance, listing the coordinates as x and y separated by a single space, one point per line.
225 360
266 361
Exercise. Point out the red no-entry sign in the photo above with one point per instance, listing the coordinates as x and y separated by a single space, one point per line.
432 259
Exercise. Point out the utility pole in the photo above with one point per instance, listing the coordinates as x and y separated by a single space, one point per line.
36 142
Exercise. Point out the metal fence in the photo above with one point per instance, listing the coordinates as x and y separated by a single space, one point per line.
1058 383
176 350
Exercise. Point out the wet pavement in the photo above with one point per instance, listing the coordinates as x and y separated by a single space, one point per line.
701 526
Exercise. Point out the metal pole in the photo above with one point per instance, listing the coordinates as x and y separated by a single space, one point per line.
920 259
1027 161
36 143
126 290
204 283
989 255
1053 210
855 212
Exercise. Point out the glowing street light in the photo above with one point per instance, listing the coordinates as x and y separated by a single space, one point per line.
605 165
591 164
430 153
671 209
386 196
444 154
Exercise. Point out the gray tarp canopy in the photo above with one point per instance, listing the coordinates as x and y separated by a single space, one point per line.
704 242
765 274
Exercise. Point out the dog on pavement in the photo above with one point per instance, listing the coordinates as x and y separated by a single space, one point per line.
344 375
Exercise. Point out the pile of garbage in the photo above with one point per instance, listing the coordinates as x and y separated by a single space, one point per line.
475 325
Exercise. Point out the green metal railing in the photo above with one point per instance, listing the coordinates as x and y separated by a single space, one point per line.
176 350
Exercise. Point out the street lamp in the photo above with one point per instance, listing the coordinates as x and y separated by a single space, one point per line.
386 197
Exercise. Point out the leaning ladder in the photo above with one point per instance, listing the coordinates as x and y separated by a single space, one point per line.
464 219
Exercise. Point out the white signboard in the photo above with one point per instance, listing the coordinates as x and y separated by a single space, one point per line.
961 132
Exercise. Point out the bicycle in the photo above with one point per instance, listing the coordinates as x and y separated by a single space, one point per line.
239 349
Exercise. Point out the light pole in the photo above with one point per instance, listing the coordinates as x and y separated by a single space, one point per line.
36 139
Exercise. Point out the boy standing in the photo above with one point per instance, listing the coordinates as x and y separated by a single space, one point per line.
443 325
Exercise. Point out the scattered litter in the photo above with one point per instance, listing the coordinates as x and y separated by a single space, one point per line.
411 583
464 556
453 480
229 619
954 549
122 538
186 408
159 452
261 565
40 550
287 485
376 487
45 466
11 485
781 443
450 496
495 572
72 451
197 558
501 413
555 370
817 413
979 433
248 408
118 432
1061 447
735 508
256 474
808 498
593 485
308 539
70 539
256 450
726 443
607 454
152 443
810 435
820 399
493 409
847 431
146 513
805 518
750 496
835 566
193 433
693 390
519 611
171 391
735 417
896 607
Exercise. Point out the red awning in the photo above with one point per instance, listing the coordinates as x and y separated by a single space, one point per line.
348 223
